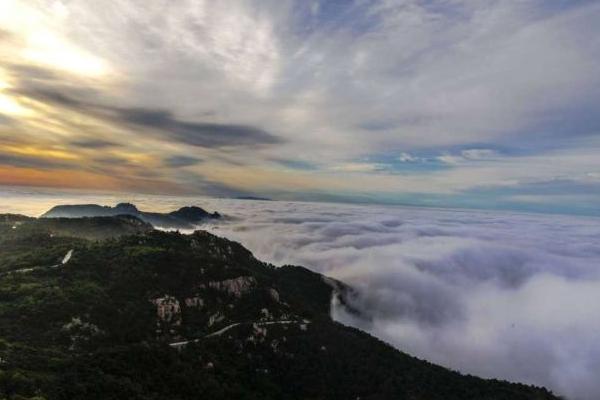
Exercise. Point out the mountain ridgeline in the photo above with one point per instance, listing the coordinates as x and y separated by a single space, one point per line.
105 307
184 218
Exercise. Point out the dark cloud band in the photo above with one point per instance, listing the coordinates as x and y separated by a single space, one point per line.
158 122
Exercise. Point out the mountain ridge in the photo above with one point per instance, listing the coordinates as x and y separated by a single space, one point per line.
188 217
163 315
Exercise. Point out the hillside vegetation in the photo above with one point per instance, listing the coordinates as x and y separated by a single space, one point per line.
108 308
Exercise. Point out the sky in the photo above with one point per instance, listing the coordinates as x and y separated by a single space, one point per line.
447 103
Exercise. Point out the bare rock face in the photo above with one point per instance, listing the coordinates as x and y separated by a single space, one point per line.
265 315
168 313
168 309
195 302
259 333
274 294
235 287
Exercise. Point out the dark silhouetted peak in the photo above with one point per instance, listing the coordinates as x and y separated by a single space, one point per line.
184 218
193 214
79 211
127 208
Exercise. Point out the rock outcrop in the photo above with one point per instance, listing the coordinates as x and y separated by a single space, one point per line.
235 287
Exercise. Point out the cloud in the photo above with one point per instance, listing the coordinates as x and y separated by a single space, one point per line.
200 134
28 161
93 143
408 158
181 161
162 123
53 94
470 155
296 164
4 120
479 154
358 167
112 161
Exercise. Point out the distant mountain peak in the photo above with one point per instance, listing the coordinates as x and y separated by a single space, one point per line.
193 213
184 218
127 207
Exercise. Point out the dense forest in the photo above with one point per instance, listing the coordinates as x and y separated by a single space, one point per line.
108 308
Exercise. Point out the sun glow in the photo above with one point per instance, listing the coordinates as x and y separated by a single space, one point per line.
42 40
45 48
3 82
33 151
10 107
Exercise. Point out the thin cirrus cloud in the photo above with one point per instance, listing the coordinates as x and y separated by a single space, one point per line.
347 97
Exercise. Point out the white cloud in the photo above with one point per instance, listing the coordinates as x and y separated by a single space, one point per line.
407 157
502 295
479 154
469 155
450 159
357 167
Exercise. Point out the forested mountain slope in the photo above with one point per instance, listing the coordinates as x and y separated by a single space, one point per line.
127 312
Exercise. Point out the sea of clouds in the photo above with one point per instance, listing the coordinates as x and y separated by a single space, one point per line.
503 295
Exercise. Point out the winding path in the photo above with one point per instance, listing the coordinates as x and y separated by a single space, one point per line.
177 345
64 261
